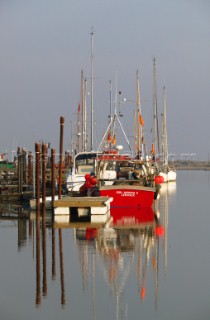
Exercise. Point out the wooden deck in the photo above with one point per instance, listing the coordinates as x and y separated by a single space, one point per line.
81 202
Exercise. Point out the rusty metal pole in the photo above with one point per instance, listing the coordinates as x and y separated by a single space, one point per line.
30 168
37 183
61 155
53 174
18 169
24 166
20 172
44 155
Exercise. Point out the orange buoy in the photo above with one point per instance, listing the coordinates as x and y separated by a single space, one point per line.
159 231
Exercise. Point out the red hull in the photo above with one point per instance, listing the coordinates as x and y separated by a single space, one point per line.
129 196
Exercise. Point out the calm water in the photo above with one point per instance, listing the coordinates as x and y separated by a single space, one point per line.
124 271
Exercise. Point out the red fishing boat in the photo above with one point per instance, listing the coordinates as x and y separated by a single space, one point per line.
129 196
128 181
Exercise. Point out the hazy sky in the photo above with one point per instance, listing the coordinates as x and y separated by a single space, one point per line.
44 44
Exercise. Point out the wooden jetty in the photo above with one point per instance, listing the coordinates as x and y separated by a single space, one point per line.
83 205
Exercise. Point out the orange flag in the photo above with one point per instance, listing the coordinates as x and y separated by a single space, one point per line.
114 139
109 138
153 150
141 120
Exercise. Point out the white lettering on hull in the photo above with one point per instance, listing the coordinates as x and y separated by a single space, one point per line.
127 193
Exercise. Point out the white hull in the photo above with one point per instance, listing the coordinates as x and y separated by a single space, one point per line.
74 182
168 176
171 175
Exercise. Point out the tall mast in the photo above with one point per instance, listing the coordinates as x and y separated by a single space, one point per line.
155 116
92 105
83 110
85 114
138 115
110 98
78 128
164 137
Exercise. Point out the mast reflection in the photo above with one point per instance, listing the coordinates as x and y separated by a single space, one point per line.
126 239
130 235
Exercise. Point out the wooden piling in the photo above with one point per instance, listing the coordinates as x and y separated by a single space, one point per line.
53 174
24 175
44 155
61 155
20 171
30 169
37 181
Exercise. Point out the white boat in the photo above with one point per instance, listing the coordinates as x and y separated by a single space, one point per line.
84 163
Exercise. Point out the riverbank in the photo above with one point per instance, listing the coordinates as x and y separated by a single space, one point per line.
191 165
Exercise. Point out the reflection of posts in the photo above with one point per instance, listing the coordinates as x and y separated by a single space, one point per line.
63 300
53 254
38 275
44 252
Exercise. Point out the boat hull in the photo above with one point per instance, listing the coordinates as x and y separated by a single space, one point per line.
168 176
129 196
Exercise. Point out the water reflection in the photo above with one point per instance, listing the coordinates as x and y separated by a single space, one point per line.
41 226
116 244
129 236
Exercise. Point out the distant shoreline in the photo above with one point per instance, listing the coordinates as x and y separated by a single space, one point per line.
190 165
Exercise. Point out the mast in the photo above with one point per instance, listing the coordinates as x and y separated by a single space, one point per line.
78 128
110 103
92 105
83 110
155 116
85 114
138 115
164 135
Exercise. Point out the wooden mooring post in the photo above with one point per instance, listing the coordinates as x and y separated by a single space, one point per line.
53 174
37 180
44 163
30 168
20 172
61 155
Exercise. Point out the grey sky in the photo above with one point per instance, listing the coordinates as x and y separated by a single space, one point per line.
45 44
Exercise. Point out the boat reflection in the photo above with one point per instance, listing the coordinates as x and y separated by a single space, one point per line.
129 237
122 241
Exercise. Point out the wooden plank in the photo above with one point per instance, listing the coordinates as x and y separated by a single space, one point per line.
81 202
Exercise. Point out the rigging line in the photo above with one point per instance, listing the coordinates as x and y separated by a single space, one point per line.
124 134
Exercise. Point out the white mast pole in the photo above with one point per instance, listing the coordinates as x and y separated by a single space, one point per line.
92 105
155 125
83 110
165 143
